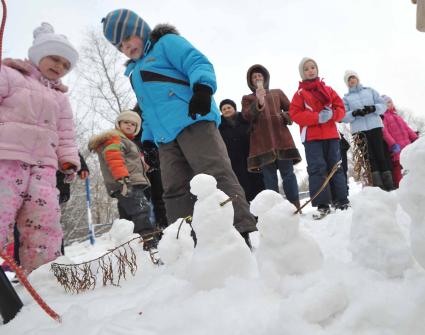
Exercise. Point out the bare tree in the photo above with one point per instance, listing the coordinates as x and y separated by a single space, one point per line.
100 92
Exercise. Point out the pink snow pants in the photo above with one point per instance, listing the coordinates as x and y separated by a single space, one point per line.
28 196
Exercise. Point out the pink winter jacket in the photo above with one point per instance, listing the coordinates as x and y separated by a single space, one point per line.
396 131
36 124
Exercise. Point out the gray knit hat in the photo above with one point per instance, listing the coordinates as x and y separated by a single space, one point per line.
301 66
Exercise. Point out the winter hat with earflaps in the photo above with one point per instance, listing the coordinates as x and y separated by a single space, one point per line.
348 74
123 23
301 66
47 43
129 115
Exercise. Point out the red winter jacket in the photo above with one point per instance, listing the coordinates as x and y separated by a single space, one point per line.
305 108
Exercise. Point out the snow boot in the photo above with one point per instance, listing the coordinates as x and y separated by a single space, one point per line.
10 303
377 179
322 211
387 180
342 205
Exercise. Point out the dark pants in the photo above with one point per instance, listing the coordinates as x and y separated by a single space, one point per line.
135 207
199 148
321 157
154 194
286 169
376 149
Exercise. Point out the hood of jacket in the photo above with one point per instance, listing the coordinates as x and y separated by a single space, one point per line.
96 141
261 69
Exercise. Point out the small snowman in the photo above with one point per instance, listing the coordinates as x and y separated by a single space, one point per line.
376 241
284 249
221 251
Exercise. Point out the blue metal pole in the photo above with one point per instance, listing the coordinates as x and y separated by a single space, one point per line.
89 217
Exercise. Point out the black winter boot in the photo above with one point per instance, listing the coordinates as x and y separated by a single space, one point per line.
387 180
10 303
377 179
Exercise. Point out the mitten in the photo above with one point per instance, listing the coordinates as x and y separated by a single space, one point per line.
125 186
286 118
369 109
150 152
358 112
200 103
395 148
70 171
325 115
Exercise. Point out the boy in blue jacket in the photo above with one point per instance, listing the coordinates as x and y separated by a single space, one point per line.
174 84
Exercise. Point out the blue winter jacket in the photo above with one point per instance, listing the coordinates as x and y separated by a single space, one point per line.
163 80
358 97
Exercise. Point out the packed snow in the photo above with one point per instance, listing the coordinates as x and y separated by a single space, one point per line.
359 271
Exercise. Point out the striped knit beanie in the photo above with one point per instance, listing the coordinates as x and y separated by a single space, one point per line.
123 23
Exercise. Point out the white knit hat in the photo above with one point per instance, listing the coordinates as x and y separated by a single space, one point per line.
301 66
129 115
348 74
47 43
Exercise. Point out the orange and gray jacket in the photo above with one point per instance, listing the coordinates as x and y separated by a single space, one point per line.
119 157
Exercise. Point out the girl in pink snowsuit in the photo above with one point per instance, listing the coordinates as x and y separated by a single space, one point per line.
397 135
36 138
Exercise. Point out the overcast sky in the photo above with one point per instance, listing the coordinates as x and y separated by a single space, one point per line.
376 38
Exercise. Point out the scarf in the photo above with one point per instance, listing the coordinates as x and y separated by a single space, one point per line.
317 88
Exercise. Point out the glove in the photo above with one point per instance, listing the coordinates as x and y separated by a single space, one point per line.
150 151
325 115
358 112
200 103
125 186
369 109
286 119
70 172
395 148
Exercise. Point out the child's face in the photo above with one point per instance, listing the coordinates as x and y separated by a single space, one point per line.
390 104
132 47
128 127
256 76
54 67
352 81
310 70
227 110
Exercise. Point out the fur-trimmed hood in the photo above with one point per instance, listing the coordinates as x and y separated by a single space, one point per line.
261 69
97 140
161 30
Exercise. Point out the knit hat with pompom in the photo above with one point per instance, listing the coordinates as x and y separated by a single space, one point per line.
47 43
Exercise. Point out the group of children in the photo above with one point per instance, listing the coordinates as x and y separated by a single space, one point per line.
174 84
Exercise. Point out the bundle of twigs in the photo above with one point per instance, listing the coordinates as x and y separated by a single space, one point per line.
362 171
112 267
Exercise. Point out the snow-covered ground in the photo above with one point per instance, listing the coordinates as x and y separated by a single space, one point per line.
351 273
